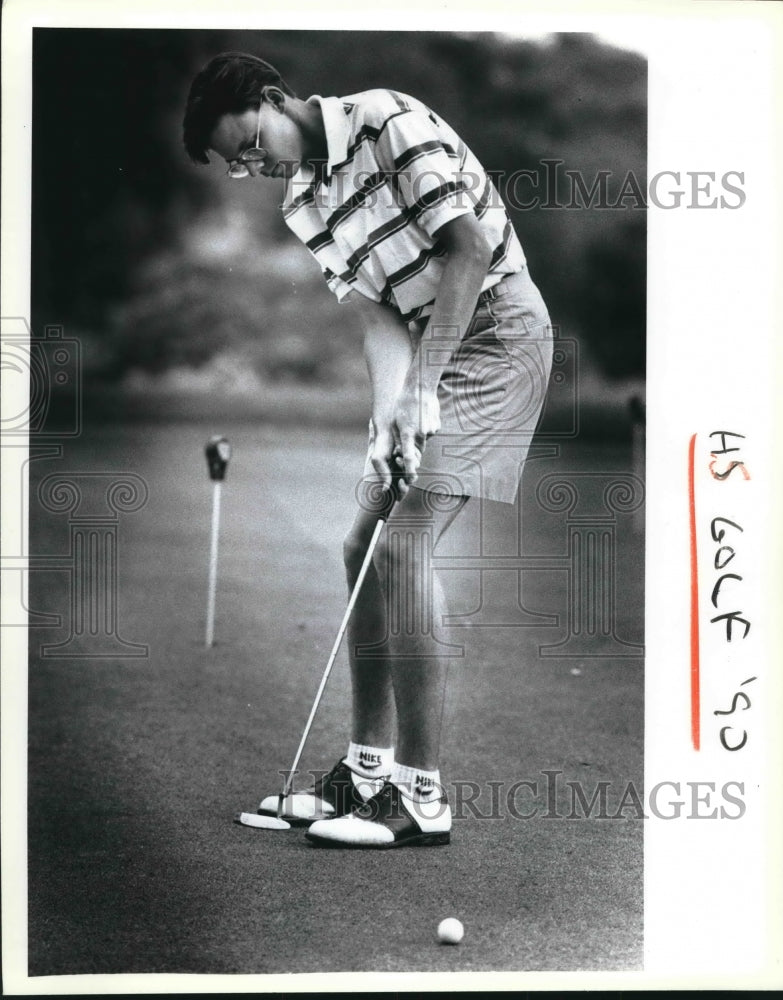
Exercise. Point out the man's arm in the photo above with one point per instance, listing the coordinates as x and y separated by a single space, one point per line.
417 413
388 351
404 380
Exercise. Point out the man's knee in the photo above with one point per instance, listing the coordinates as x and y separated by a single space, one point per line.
354 550
404 554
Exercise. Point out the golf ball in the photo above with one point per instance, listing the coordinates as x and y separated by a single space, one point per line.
450 931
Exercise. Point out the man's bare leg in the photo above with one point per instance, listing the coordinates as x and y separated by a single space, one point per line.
401 615
415 609
373 702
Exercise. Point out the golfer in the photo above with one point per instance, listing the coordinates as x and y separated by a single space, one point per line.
409 230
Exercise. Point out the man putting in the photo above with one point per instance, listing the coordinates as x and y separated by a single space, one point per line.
408 229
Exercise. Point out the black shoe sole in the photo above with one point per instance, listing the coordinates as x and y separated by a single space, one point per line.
419 840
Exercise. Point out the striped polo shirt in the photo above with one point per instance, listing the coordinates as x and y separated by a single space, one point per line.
395 174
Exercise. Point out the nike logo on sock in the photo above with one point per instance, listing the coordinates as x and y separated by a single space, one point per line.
424 786
370 760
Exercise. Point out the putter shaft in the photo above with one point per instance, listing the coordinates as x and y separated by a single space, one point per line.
332 657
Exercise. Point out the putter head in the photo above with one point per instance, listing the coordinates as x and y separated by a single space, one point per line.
261 822
281 804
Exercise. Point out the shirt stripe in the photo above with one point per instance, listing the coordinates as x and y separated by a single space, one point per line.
396 173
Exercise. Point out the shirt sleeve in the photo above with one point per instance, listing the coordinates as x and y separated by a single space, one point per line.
425 168
336 284
342 289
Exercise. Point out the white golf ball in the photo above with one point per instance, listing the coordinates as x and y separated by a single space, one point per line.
450 931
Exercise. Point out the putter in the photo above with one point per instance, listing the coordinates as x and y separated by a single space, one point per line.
277 822
218 452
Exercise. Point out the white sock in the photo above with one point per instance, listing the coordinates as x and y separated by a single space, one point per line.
370 762
416 784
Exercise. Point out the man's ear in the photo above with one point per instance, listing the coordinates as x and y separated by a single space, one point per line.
274 96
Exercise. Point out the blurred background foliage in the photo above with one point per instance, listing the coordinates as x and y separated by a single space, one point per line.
175 278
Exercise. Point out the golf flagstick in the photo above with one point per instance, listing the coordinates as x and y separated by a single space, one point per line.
332 657
218 452
213 557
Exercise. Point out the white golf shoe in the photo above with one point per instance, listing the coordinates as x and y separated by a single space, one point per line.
388 819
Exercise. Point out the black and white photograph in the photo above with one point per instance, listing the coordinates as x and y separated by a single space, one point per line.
366 588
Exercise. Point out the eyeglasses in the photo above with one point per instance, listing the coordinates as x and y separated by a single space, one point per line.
255 154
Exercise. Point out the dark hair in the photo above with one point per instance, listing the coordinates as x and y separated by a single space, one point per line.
229 84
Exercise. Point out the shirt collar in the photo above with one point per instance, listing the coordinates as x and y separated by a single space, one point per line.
337 128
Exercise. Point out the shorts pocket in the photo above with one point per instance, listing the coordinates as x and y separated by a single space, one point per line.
477 380
518 316
524 328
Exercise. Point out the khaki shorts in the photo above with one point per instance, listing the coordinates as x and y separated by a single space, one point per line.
491 394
